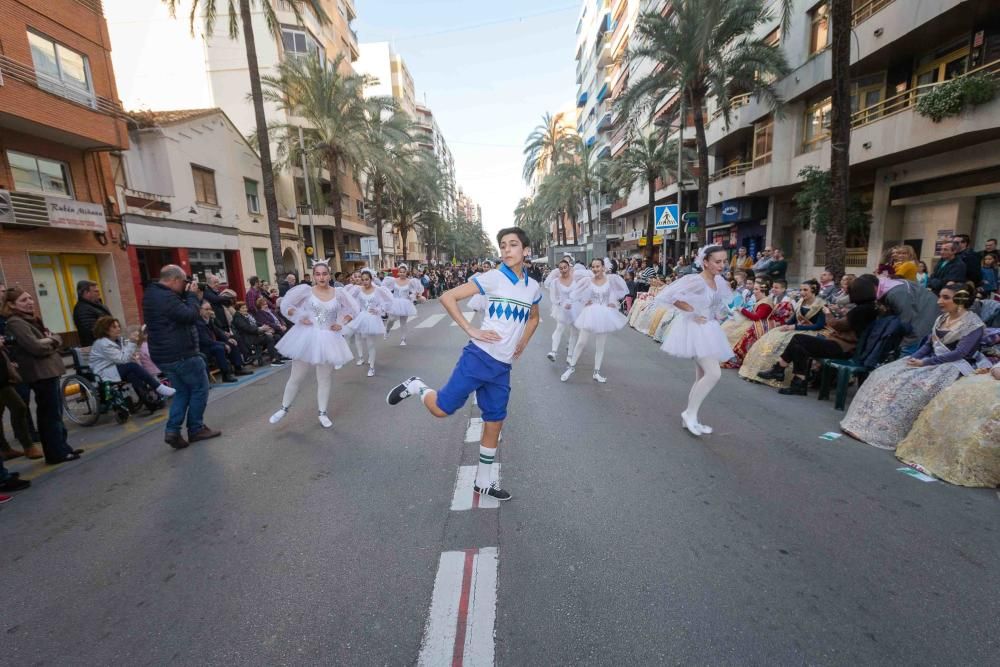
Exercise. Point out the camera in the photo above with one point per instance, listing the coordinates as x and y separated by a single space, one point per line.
8 340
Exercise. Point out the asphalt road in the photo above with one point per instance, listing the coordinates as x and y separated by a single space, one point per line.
628 541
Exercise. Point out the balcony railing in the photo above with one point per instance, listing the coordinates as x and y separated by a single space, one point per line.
734 103
17 71
737 169
907 99
868 9
94 5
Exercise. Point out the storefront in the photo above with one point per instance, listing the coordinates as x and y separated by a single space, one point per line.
738 223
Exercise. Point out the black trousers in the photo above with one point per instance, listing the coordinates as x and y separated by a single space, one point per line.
140 379
802 348
48 415
226 362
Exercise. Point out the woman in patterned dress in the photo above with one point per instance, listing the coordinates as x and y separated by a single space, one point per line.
771 311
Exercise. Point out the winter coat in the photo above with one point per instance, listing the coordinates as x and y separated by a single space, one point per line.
35 360
85 316
170 324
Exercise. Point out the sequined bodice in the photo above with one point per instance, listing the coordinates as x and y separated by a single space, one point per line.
402 291
323 313
367 301
600 294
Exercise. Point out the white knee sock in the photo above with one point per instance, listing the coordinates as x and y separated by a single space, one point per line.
324 378
402 324
601 339
574 335
359 342
708 374
299 369
371 349
484 473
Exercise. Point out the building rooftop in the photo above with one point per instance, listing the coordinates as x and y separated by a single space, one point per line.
146 118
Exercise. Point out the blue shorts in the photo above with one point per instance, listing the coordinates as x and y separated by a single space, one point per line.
476 371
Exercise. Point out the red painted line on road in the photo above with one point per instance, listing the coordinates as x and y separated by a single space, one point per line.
463 609
475 500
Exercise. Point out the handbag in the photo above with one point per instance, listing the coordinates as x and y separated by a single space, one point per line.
13 377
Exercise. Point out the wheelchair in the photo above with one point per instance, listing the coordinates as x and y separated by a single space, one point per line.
86 397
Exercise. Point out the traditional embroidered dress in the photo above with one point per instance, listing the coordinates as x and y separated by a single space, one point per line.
890 400
778 316
764 353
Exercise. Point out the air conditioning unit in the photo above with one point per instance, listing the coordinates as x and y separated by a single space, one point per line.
6 208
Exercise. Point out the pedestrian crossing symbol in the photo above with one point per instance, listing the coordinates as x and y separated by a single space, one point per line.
666 217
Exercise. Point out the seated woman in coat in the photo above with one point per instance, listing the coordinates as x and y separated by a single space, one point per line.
810 319
114 359
254 336
890 400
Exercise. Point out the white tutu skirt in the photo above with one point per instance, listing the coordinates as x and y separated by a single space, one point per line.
367 324
691 340
401 308
314 345
564 315
479 303
599 319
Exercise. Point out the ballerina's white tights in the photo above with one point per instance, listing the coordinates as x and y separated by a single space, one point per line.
706 376
557 336
370 342
324 378
402 324
599 341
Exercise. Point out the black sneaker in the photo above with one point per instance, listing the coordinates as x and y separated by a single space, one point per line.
14 484
775 373
798 388
493 491
400 391
278 362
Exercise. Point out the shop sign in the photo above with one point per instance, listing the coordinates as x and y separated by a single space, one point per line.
657 240
730 212
72 214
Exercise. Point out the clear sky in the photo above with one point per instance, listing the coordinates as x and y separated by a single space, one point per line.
488 71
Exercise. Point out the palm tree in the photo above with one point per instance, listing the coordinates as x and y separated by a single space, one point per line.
588 174
333 106
528 218
551 201
840 136
417 198
547 145
391 154
645 159
243 16
705 48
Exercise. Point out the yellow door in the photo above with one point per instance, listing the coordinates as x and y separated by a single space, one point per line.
74 269
55 278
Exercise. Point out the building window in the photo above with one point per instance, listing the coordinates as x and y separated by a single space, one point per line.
61 70
299 43
361 208
866 96
773 38
940 66
763 141
253 202
204 186
819 28
817 124
39 174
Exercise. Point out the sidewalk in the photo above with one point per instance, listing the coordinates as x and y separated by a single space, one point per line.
106 433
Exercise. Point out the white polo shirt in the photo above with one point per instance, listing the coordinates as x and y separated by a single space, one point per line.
510 302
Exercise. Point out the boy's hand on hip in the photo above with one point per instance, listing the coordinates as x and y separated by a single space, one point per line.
484 336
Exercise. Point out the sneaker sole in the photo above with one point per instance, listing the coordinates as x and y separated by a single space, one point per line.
486 495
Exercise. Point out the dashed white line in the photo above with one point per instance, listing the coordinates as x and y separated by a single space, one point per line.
465 498
468 315
431 321
475 431
460 624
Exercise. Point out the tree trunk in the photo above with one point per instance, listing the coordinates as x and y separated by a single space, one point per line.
404 232
377 194
651 221
561 221
572 222
840 137
590 219
699 133
337 195
263 142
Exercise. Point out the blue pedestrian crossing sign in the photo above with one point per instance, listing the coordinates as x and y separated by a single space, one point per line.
666 217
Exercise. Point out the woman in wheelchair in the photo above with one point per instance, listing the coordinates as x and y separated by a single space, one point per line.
113 359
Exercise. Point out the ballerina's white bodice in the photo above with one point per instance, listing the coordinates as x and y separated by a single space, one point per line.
599 294
564 293
402 291
368 301
323 313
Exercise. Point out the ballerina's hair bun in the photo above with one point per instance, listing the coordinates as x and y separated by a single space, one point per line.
705 252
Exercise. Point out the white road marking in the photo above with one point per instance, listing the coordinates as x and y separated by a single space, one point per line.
430 321
465 498
468 315
461 620
475 431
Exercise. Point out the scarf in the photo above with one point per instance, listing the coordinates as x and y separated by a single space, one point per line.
817 305
968 323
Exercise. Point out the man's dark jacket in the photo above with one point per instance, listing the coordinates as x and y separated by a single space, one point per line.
944 273
85 316
170 324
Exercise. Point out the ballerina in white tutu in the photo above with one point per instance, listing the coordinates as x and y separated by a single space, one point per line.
368 325
316 337
562 285
405 291
696 333
353 287
599 316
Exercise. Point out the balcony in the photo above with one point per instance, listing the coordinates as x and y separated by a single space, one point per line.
737 169
602 94
582 100
728 183
35 104
867 10
604 124
604 55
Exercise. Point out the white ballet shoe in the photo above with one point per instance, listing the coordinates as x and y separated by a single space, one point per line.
360 362
279 415
551 356
599 378
324 420
402 343
567 373
371 372
707 430
690 424
385 336
337 368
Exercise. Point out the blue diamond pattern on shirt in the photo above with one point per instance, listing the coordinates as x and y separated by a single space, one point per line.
507 311
493 309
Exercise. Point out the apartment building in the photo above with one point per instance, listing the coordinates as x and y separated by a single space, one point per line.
189 188
60 120
922 180
161 66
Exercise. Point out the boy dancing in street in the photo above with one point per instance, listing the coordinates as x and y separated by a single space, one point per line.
509 321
